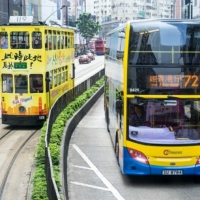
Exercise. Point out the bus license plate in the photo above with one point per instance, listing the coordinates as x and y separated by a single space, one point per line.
172 172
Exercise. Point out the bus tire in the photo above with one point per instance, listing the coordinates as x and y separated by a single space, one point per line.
117 148
196 179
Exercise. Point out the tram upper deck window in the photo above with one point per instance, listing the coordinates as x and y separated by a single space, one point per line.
62 41
37 40
19 40
7 83
4 40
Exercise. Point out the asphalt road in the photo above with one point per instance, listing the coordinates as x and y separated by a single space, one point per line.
93 172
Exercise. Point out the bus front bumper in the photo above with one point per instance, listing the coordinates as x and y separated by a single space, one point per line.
133 167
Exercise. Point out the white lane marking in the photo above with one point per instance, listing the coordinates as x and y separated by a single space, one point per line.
81 167
91 186
98 173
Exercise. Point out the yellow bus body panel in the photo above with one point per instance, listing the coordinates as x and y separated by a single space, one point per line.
168 155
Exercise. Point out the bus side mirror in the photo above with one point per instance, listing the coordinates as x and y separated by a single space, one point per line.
119 104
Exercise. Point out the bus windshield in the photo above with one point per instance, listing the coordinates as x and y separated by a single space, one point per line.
164 121
164 43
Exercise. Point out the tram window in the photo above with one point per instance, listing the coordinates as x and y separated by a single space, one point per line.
50 42
58 41
62 42
50 77
36 40
36 83
21 85
63 77
66 42
7 83
19 40
54 42
72 41
4 40
55 80
66 75
46 42
59 79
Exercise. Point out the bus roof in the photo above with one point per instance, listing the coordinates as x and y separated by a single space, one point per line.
194 21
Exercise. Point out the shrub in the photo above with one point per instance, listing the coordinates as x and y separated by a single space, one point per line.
39 180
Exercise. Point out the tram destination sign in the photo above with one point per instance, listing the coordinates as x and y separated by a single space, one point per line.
20 65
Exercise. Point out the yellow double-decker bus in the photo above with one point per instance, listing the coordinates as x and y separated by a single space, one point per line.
152 96
36 67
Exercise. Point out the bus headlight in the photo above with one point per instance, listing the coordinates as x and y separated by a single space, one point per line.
22 109
137 155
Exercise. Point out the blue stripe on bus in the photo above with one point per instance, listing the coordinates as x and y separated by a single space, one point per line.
133 167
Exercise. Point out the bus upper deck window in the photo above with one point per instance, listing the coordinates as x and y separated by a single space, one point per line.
4 40
36 40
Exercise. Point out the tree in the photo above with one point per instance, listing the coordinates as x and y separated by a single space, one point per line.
87 26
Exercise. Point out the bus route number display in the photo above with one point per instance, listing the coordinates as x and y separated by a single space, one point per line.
183 81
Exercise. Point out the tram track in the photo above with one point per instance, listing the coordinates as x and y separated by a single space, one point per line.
5 134
7 168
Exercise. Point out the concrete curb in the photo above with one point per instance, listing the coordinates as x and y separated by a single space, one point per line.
68 131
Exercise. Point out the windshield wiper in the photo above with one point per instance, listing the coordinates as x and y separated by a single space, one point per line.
139 97
175 98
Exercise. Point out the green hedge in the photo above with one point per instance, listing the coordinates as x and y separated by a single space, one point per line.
39 191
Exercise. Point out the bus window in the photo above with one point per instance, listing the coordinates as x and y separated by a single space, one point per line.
36 83
21 84
4 40
37 40
7 83
19 40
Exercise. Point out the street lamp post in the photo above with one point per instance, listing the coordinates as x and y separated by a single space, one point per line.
53 13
